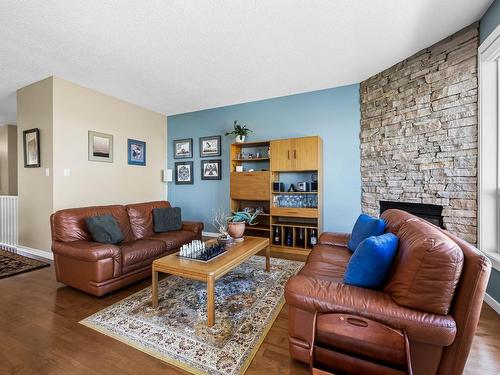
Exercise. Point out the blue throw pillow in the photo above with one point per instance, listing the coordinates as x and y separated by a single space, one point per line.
365 227
372 261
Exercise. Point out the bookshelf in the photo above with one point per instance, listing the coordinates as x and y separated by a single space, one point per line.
290 215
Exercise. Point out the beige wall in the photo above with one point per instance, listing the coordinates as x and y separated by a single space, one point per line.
12 158
71 111
35 189
8 160
78 110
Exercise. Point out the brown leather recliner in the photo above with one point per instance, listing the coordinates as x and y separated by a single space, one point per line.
434 293
98 268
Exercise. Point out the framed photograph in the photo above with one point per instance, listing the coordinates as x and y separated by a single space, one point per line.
184 173
100 147
210 169
136 151
183 148
31 146
210 146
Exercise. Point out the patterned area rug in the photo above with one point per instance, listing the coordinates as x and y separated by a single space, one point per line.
12 264
248 300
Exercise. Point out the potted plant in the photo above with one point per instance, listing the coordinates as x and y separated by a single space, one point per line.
240 131
236 223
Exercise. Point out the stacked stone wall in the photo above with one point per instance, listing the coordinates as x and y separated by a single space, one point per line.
419 129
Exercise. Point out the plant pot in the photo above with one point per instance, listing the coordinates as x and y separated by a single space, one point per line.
240 138
236 230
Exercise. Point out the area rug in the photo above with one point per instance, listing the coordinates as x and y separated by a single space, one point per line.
248 300
12 264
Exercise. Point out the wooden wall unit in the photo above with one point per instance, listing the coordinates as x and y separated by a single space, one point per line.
294 156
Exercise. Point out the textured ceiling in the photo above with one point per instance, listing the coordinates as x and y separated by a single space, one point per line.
181 56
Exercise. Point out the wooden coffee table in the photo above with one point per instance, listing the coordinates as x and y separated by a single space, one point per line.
209 272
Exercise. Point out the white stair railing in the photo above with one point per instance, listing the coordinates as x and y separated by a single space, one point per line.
8 222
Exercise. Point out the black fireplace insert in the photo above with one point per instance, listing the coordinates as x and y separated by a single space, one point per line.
430 212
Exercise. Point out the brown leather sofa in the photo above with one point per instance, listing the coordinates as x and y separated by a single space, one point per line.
440 322
98 268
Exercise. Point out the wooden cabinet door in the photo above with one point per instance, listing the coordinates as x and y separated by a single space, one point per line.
250 185
281 155
304 154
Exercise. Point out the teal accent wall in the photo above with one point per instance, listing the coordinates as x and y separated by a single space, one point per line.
489 21
333 114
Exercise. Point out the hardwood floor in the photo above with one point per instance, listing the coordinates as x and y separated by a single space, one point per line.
40 334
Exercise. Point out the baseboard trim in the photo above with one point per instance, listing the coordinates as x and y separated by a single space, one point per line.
210 234
39 253
493 303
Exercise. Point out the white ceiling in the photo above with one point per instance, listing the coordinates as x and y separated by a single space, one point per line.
181 56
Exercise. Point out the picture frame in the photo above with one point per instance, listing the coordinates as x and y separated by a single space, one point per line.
211 169
210 146
136 152
31 148
183 148
100 147
184 173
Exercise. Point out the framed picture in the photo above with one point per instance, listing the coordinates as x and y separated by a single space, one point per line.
100 147
136 151
31 146
183 148
210 146
210 169
184 173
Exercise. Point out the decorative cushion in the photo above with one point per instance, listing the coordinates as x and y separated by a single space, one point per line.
371 262
166 219
104 229
426 270
365 227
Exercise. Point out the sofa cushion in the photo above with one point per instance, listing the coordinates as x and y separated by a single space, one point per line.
104 229
334 239
330 254
365 227
371 262
427 268
141 217
70 224
174 239
323 271
166 219
138 253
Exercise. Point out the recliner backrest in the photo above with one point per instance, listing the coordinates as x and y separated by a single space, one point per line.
141 217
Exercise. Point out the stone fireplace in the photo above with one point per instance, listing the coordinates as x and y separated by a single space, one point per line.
419 132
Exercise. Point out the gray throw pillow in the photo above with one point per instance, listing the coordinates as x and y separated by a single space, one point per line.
104 229
166 219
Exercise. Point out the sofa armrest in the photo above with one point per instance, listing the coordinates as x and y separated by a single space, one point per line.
315 295
334 239
192 226
86 250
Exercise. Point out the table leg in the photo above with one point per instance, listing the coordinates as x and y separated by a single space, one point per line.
210 301
268 258
154 288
